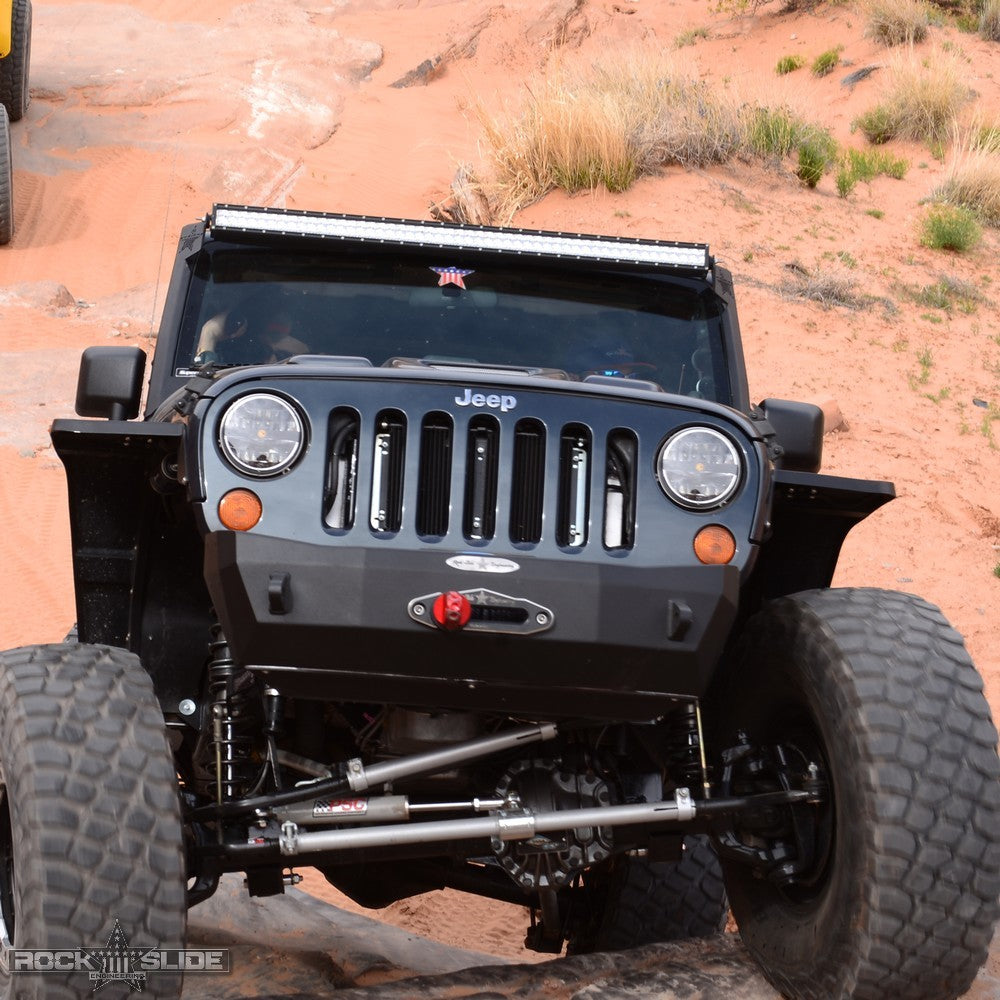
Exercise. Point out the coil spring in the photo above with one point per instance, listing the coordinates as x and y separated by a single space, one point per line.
684 746
235 710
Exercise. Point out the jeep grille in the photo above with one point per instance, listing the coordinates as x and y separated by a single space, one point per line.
460 478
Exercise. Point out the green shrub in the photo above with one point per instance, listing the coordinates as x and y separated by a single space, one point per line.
772 132
788 64
826 62
846 182
866 165
817 152
876 124
893 166
811 166
950 227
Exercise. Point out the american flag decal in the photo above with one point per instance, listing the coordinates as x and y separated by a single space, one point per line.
451 275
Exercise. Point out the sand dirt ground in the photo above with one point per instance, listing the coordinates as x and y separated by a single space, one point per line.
144 114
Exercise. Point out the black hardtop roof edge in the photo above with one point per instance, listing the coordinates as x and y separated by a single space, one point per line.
668 254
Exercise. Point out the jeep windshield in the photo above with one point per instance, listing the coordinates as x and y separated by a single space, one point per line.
248 306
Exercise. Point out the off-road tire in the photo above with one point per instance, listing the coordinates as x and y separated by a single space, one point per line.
6 182
90 830
14 67
637 901
906 902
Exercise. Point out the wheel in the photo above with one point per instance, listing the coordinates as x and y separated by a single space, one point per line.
14 66
90 832
637 901
896 893
6 182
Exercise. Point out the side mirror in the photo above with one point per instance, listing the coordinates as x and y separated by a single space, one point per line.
110 382
798 428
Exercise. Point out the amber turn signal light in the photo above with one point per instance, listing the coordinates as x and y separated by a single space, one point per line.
240 510
714 545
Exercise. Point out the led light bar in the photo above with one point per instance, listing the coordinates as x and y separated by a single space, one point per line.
663 253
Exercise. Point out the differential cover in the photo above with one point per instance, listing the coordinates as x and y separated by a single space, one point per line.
550 862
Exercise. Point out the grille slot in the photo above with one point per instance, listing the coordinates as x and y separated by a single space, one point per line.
527 482
481 476
340 490
574 486
619 490
434 481
387 472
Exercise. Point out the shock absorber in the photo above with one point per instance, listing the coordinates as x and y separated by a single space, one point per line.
236 716
687 748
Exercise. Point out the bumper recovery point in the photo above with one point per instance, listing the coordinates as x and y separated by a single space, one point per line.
480 610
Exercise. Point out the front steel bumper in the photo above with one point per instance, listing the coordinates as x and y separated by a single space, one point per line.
624 641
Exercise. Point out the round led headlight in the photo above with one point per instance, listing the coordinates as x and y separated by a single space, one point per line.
699 468
261 434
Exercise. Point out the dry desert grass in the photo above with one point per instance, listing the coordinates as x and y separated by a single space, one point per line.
973 179
897 22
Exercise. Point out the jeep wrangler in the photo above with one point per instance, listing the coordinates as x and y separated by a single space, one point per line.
456 556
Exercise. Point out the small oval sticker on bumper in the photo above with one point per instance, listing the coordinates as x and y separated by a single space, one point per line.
483 564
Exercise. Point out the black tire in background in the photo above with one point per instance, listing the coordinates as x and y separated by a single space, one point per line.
880 689
6 181
90 829
14 67
636 901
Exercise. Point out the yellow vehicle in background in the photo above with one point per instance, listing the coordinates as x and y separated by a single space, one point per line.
15 57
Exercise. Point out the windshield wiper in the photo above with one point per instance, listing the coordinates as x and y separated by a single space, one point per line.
472 365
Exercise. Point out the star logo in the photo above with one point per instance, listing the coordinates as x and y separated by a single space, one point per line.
452 275
117 962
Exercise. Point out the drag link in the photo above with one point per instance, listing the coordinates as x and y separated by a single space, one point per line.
360 777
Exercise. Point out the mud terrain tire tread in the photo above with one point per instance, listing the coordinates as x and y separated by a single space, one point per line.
6 182
94 809
646 902
911 899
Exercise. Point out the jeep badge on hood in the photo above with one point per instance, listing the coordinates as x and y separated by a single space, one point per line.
503 403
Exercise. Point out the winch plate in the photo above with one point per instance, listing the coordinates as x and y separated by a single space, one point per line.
486 611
